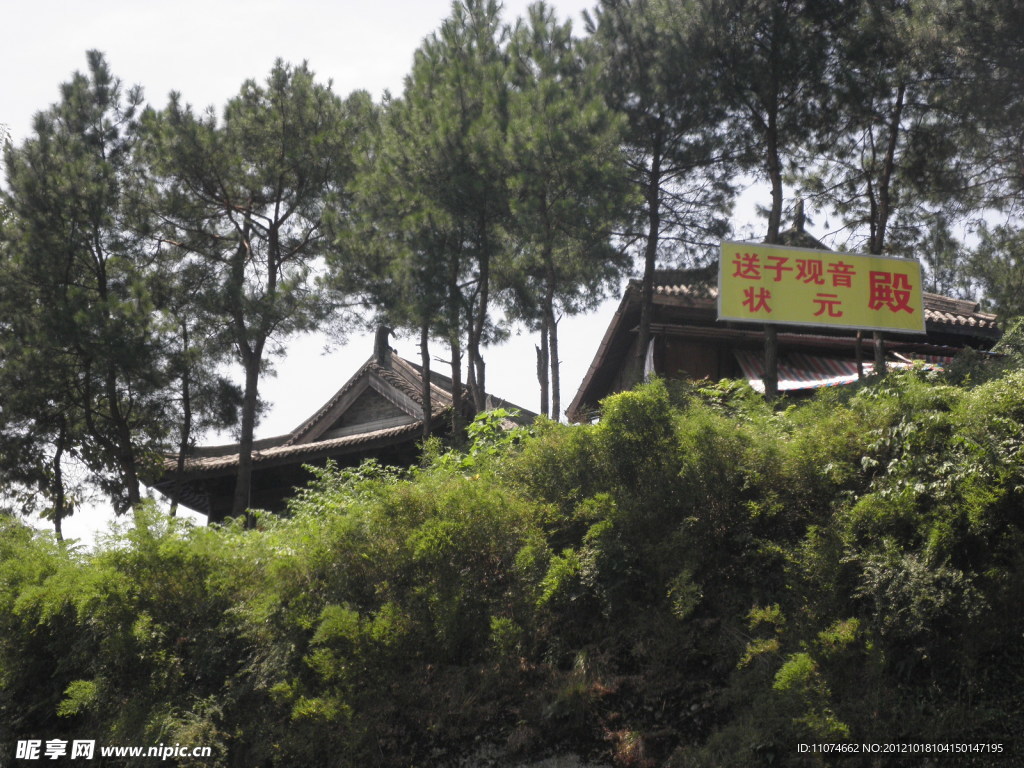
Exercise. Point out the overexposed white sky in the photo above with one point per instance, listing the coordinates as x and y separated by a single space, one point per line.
206 49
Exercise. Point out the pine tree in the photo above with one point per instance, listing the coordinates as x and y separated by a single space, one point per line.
245 197
569 185
435 195
458 92
883 77
677 152
769 59
80 364
397 247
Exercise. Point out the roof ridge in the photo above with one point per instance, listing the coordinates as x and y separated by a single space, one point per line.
401 374
317 417
415 376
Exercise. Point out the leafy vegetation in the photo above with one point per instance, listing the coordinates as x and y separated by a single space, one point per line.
698 579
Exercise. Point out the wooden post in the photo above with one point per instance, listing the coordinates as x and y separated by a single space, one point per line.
771 363
428 409
879 352
858 349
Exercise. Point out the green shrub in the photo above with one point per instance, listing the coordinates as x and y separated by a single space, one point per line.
697 579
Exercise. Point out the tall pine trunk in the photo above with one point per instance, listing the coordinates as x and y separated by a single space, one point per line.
121 444
454 312
458 415
186 420
425 366
653 201
478 324
883 209
542 365
551 326
125 445
252 359
243 481
57 482
771 339
556 398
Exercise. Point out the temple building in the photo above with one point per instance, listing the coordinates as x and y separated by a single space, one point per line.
689 342
378 413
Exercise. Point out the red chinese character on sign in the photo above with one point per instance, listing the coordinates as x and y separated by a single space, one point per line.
748 266
889 290
842 274
778 266
828 302
756 301
809 271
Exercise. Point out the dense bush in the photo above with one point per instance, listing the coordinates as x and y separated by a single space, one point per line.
698 579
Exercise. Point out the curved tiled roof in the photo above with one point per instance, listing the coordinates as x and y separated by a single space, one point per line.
962 312
377 412
290 451
322 412
399 373
402 375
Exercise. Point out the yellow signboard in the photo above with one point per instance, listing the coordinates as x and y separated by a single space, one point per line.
799 286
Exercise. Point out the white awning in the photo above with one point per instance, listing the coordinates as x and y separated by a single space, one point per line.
799 370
